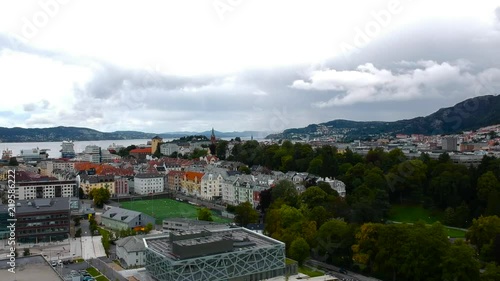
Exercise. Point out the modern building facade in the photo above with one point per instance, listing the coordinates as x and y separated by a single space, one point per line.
449 143
43 187
41 220
233 254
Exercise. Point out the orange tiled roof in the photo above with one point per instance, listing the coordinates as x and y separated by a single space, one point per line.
103 169
191 176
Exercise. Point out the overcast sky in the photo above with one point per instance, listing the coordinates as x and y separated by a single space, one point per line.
267 65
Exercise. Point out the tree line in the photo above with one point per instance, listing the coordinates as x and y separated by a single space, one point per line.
354 232
380 178
311 226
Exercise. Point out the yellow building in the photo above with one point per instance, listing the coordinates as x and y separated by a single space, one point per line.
191 183
155 143
88 183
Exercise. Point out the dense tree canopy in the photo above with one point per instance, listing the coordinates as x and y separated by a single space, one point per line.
204 214
100 196
348 230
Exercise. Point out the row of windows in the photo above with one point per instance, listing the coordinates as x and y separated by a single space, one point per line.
46 217
50 186
43 230
42 223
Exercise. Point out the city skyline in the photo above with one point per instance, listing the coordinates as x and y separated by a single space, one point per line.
268 66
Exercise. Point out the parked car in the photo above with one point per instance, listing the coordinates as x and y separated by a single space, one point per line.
54 263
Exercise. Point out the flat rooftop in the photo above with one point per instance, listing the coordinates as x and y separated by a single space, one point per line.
29 269
241 238
43 204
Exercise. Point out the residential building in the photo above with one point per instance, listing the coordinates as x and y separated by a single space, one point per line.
41 220
191 183
45 189
32 186
119 219
131 251
88 183
228 191
121 186
232 254
211 185
147 183
174 179
169 148
336 185
449 144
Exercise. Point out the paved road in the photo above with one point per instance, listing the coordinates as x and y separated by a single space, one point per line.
85 226
334 270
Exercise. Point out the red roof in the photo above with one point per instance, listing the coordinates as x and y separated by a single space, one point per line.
146 150
176 173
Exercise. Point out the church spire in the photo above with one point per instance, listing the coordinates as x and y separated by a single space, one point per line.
212 137
213 144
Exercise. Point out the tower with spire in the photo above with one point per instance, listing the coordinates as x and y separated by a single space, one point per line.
213 144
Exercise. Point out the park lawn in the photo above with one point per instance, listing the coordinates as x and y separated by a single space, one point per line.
161 209
310 271
94 272
413 213
455 233
101 278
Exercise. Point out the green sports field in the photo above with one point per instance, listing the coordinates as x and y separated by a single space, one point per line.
414 213
166 208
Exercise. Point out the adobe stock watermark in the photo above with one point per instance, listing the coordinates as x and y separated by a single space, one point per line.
277 120
223 7
363 36
31 26
150 79
11 221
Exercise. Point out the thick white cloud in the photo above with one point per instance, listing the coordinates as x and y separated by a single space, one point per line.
426 79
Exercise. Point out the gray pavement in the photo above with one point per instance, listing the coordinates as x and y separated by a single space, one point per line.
334 271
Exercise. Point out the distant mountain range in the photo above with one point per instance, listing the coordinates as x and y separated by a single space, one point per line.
470 114
60 133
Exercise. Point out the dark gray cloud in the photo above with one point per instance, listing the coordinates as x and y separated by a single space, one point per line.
407 73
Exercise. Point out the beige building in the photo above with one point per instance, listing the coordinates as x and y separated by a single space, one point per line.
88 183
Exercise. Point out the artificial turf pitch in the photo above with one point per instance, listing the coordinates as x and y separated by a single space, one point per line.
166 208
